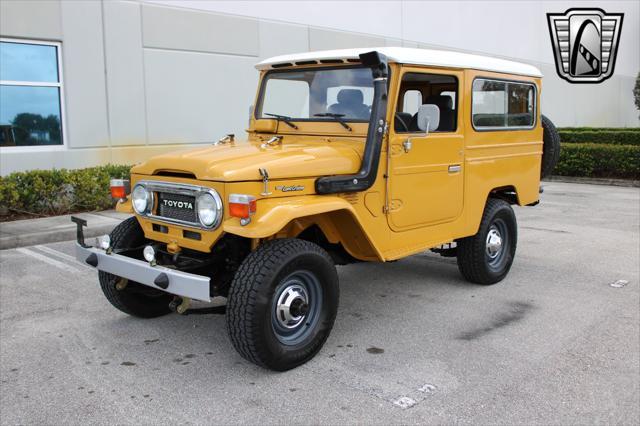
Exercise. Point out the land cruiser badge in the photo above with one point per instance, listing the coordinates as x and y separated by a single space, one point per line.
291 188
585 43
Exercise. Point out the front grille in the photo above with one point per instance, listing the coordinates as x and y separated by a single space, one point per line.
177 206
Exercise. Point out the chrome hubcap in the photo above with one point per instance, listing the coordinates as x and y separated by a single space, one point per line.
292 306
494 243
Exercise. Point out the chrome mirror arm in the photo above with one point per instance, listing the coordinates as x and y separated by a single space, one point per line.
408 144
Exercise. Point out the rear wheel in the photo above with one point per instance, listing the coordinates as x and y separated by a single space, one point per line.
128 296
282 303
486 257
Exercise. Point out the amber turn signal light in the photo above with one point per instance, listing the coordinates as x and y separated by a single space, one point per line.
242 205
120 188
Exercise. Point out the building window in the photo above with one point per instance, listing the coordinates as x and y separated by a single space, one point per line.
30 93
503 104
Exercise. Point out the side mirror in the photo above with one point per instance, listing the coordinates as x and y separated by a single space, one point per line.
428 117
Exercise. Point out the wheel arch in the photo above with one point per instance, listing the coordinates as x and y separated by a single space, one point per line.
475 210
508 193
334 217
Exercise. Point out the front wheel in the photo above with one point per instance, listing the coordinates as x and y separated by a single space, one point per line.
485 258
130 297
282 303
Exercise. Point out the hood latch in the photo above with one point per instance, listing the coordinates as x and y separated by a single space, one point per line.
271 142
265 182
228 138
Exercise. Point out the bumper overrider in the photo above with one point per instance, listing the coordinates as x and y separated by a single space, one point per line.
169 280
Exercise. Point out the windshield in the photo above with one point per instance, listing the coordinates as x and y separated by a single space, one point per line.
317 94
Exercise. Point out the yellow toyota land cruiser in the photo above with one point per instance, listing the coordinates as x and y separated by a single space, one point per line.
351 155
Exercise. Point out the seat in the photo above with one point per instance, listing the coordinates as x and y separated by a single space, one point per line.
350 104
447 114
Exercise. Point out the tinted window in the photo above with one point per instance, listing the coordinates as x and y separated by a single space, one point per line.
500 104
30 115
30 112
521 101
28 62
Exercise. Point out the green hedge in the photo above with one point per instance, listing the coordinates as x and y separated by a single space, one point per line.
599 160
602 136
595 129
53 192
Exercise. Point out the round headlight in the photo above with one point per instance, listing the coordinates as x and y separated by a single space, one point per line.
209 209
140 198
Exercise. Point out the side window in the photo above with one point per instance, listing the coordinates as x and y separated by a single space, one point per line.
501 104
435 89
520 112
30 94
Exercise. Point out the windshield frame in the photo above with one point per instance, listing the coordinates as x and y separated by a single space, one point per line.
261 93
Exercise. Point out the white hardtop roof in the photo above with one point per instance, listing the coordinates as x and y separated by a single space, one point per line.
406 55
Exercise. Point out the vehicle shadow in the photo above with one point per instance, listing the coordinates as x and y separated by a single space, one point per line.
371 293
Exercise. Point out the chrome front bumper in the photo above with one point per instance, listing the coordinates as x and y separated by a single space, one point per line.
168 280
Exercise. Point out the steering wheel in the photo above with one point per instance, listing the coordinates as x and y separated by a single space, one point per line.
401 121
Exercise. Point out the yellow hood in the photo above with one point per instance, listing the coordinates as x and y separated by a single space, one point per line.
240 161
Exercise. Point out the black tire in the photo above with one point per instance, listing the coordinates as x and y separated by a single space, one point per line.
134 299
551 147
262 280
474 260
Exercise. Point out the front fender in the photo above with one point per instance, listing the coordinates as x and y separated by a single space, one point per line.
273 214
125 206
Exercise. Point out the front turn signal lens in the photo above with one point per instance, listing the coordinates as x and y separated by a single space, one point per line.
242 205
120 188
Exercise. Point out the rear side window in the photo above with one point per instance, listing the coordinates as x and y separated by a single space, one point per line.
503 104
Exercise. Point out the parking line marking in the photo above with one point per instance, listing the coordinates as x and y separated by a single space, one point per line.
61 255
52 262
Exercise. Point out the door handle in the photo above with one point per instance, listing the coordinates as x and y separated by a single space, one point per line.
454 168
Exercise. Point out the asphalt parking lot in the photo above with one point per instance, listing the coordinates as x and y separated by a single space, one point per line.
413 343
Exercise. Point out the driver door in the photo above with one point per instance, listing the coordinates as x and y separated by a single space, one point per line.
426 179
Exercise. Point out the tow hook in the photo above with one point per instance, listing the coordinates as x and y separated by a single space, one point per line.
121 284
180 304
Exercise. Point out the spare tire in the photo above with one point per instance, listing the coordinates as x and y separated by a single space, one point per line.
551 147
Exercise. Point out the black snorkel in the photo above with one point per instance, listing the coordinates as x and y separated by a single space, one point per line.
366 176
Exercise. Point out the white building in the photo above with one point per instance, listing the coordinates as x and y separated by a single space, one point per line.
118 81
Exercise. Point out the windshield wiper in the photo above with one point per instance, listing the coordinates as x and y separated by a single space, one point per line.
283 118
336 117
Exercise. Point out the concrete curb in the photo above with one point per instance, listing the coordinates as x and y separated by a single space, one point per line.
45 230
629 183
